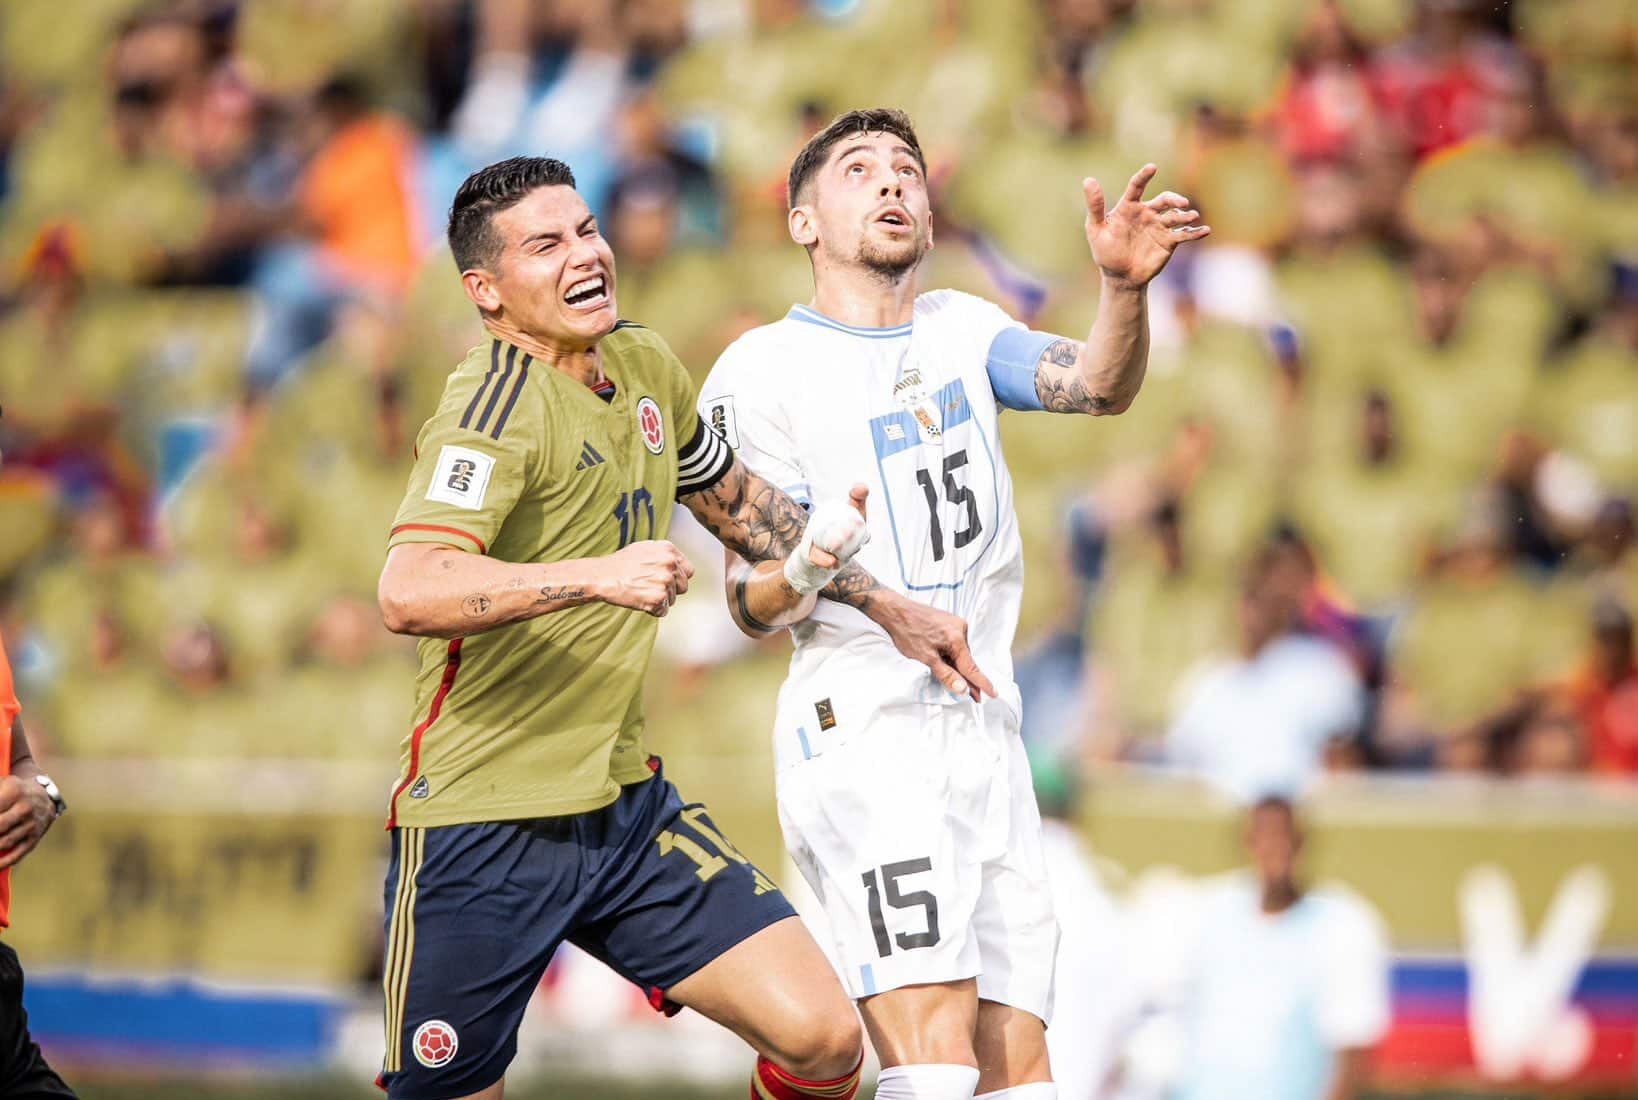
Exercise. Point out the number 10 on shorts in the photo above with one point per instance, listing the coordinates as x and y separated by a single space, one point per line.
887 881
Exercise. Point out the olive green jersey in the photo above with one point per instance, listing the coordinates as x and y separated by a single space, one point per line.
526 464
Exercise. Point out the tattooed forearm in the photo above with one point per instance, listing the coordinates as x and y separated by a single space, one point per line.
1059 385
744 606
853 586
435 591
749 516
757 521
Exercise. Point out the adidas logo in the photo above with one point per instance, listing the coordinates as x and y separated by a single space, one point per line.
421 789
588 457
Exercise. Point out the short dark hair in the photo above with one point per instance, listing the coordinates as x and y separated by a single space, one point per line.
877 120
486 193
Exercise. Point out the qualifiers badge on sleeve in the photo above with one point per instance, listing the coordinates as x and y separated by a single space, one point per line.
650 423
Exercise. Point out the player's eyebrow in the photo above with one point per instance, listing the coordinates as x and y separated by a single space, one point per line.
862 147
554 235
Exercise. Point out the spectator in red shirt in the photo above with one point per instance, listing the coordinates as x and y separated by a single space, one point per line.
1328 107
1605 690
1441 83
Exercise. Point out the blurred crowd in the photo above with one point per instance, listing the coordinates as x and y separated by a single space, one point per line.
1374 507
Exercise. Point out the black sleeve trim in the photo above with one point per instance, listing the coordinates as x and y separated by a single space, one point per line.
703 461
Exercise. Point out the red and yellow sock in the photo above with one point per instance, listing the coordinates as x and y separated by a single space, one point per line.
770 1082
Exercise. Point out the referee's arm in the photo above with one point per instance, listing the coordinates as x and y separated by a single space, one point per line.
26 811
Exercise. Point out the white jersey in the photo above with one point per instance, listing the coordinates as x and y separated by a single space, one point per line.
908 810
816 407
1270 999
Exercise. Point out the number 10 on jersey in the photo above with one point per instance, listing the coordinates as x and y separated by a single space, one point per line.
632 510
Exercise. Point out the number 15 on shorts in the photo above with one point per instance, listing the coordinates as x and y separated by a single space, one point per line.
885 880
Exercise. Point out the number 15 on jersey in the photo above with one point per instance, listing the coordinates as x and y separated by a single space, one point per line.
941 499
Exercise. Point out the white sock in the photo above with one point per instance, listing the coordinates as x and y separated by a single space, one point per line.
1039 1090
932 1082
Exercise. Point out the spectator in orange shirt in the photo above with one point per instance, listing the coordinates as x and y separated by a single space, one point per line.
355 195
356 213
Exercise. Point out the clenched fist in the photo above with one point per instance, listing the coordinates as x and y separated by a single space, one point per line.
646 576
26 813
835 532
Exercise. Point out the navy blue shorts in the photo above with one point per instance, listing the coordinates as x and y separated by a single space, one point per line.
475 912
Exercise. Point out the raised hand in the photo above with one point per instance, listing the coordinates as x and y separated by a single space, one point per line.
646 576
822 557
1134 241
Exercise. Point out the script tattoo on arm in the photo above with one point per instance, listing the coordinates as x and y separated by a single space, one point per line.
548 594
1059 385
748 515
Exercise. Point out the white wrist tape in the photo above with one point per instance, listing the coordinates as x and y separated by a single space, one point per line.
837 529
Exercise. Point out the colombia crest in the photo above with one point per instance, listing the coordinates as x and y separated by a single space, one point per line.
651 425
434 1044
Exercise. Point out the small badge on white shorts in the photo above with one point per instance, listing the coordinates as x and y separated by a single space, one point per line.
719 413
461 477
435 1044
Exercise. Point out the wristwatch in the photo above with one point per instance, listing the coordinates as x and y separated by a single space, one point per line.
52 793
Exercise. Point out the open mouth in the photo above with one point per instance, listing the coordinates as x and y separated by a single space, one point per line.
894 216
588 293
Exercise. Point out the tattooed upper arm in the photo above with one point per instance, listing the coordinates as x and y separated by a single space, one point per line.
749 515
1059 385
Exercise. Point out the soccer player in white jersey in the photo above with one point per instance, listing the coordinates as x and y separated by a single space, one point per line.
905 797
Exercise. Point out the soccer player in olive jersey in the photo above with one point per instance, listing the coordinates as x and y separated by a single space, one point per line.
529 556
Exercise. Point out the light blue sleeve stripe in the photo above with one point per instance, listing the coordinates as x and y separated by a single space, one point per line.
1011 366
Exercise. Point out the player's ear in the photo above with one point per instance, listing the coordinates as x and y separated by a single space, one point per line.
929 230
480 289
802 227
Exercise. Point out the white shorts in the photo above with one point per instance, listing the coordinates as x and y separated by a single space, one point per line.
916 827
